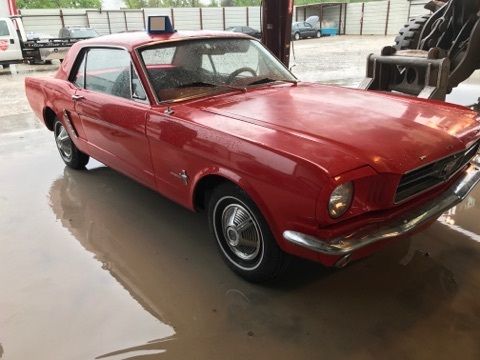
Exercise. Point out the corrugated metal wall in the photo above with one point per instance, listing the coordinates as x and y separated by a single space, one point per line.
105 22
370 18
354 18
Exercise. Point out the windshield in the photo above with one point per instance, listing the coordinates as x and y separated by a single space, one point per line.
193 68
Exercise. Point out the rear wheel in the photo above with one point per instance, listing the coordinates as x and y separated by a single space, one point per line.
243 236
296 36
71 156
409 35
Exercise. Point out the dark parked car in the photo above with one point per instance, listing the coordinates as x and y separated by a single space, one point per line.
77 32
246 30
302 30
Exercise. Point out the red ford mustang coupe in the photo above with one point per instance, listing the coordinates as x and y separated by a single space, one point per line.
213 121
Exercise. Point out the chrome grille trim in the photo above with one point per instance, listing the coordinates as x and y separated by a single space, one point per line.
427 177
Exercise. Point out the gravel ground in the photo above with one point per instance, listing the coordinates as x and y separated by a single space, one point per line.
335 60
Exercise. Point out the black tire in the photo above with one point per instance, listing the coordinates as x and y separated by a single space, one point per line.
409 35
319 34
297 36
261 260
71 156
6 66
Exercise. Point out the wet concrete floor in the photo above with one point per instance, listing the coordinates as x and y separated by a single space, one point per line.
93 265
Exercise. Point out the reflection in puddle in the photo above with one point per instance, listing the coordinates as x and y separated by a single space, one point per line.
460 218
103 266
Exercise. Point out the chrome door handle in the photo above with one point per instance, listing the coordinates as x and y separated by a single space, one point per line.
77 97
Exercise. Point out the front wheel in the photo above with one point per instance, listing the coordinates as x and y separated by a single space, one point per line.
71 156
243 236
319 34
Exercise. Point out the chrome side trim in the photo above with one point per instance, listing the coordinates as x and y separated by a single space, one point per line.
400 226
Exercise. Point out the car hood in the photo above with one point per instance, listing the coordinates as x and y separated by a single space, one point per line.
390 133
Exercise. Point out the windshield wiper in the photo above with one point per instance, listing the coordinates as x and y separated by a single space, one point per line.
269 80
204 83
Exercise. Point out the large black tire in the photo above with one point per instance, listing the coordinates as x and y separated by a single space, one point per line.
71 156
409 35
244 238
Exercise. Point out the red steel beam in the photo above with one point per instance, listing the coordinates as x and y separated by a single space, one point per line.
12 7
277 27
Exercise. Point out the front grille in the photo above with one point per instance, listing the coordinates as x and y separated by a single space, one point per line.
426 177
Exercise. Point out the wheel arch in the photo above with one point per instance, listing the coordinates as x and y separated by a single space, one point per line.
49 117
207 180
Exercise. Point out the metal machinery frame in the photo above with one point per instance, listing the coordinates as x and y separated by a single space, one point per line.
433 54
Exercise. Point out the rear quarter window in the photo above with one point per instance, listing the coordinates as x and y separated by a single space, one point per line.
108 71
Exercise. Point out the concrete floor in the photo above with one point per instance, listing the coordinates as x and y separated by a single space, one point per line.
93 265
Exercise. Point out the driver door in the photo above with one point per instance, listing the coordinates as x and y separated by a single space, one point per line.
112 115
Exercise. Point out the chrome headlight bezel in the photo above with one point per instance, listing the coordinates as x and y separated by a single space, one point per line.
340 200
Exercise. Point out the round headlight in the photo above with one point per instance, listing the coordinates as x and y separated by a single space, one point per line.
340 200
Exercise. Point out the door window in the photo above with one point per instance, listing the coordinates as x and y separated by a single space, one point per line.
4 28
109 71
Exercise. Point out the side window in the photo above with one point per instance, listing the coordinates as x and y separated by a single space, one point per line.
79 78
138 92
307 25
4 28
108 71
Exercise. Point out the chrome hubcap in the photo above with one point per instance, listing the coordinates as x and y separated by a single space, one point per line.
64 143
241 232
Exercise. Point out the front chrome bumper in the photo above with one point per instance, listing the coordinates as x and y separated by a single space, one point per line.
403 225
